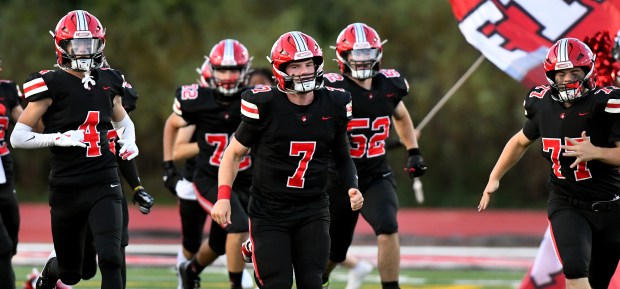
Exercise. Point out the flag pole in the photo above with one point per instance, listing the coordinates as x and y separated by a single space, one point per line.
417 184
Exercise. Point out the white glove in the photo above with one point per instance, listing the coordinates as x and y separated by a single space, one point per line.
71 138
129 149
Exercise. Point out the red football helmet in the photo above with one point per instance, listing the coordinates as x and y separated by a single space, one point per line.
296 46
205 73
79 39
229 54
358 51
568 53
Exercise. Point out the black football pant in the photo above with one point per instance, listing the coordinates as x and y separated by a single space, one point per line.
281 245
9 228
379 210
74 210
193 218
206 194
588 242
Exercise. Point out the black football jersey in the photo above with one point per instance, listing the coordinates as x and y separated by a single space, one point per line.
10 97
215 122
291 143
76 106
372 117
598 114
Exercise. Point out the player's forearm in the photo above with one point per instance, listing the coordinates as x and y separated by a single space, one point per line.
129 170
184 151
24 137
128 129
406 132
512 153
344 164
229 167
610 156
170 134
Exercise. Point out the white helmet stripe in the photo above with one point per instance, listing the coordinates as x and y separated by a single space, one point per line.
229 53
81 20
360 36
300 42
563 50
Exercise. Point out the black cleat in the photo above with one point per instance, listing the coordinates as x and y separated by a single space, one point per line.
189 279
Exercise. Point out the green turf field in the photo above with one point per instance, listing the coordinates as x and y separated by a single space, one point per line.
216 278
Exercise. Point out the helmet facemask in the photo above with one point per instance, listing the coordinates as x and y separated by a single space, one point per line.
361 63
569 92
82 54
232 85
302 83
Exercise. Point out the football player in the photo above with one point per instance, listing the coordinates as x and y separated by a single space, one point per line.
261 76
10 110
377 105
579 127
79 104
215 110
292 129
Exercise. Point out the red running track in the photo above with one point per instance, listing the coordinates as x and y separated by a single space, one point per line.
162 225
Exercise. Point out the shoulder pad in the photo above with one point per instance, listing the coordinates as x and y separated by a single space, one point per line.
333 77
396 79
36 84
610 97
535 95
341 98
254 102
11 90
259 94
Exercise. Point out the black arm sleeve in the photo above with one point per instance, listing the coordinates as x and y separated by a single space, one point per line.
344 164
247 134
129 170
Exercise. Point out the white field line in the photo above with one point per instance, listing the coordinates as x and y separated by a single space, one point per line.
411 257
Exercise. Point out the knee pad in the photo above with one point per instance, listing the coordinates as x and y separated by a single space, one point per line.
574 271
70 278
110 257
191 245
387 227
218 246
337 256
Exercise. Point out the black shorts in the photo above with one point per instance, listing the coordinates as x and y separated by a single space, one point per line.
587 241
379 210
75 210
281 244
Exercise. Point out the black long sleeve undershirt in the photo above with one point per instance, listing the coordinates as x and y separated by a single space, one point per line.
344 164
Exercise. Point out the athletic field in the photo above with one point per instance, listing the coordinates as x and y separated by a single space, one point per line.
440 248
216 278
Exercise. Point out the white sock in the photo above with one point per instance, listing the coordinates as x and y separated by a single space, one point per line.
180 256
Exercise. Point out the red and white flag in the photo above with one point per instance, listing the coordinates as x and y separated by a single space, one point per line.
516 34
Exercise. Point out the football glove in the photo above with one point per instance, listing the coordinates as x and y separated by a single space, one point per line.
170 177
144 200
416 167
70 138
129 150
